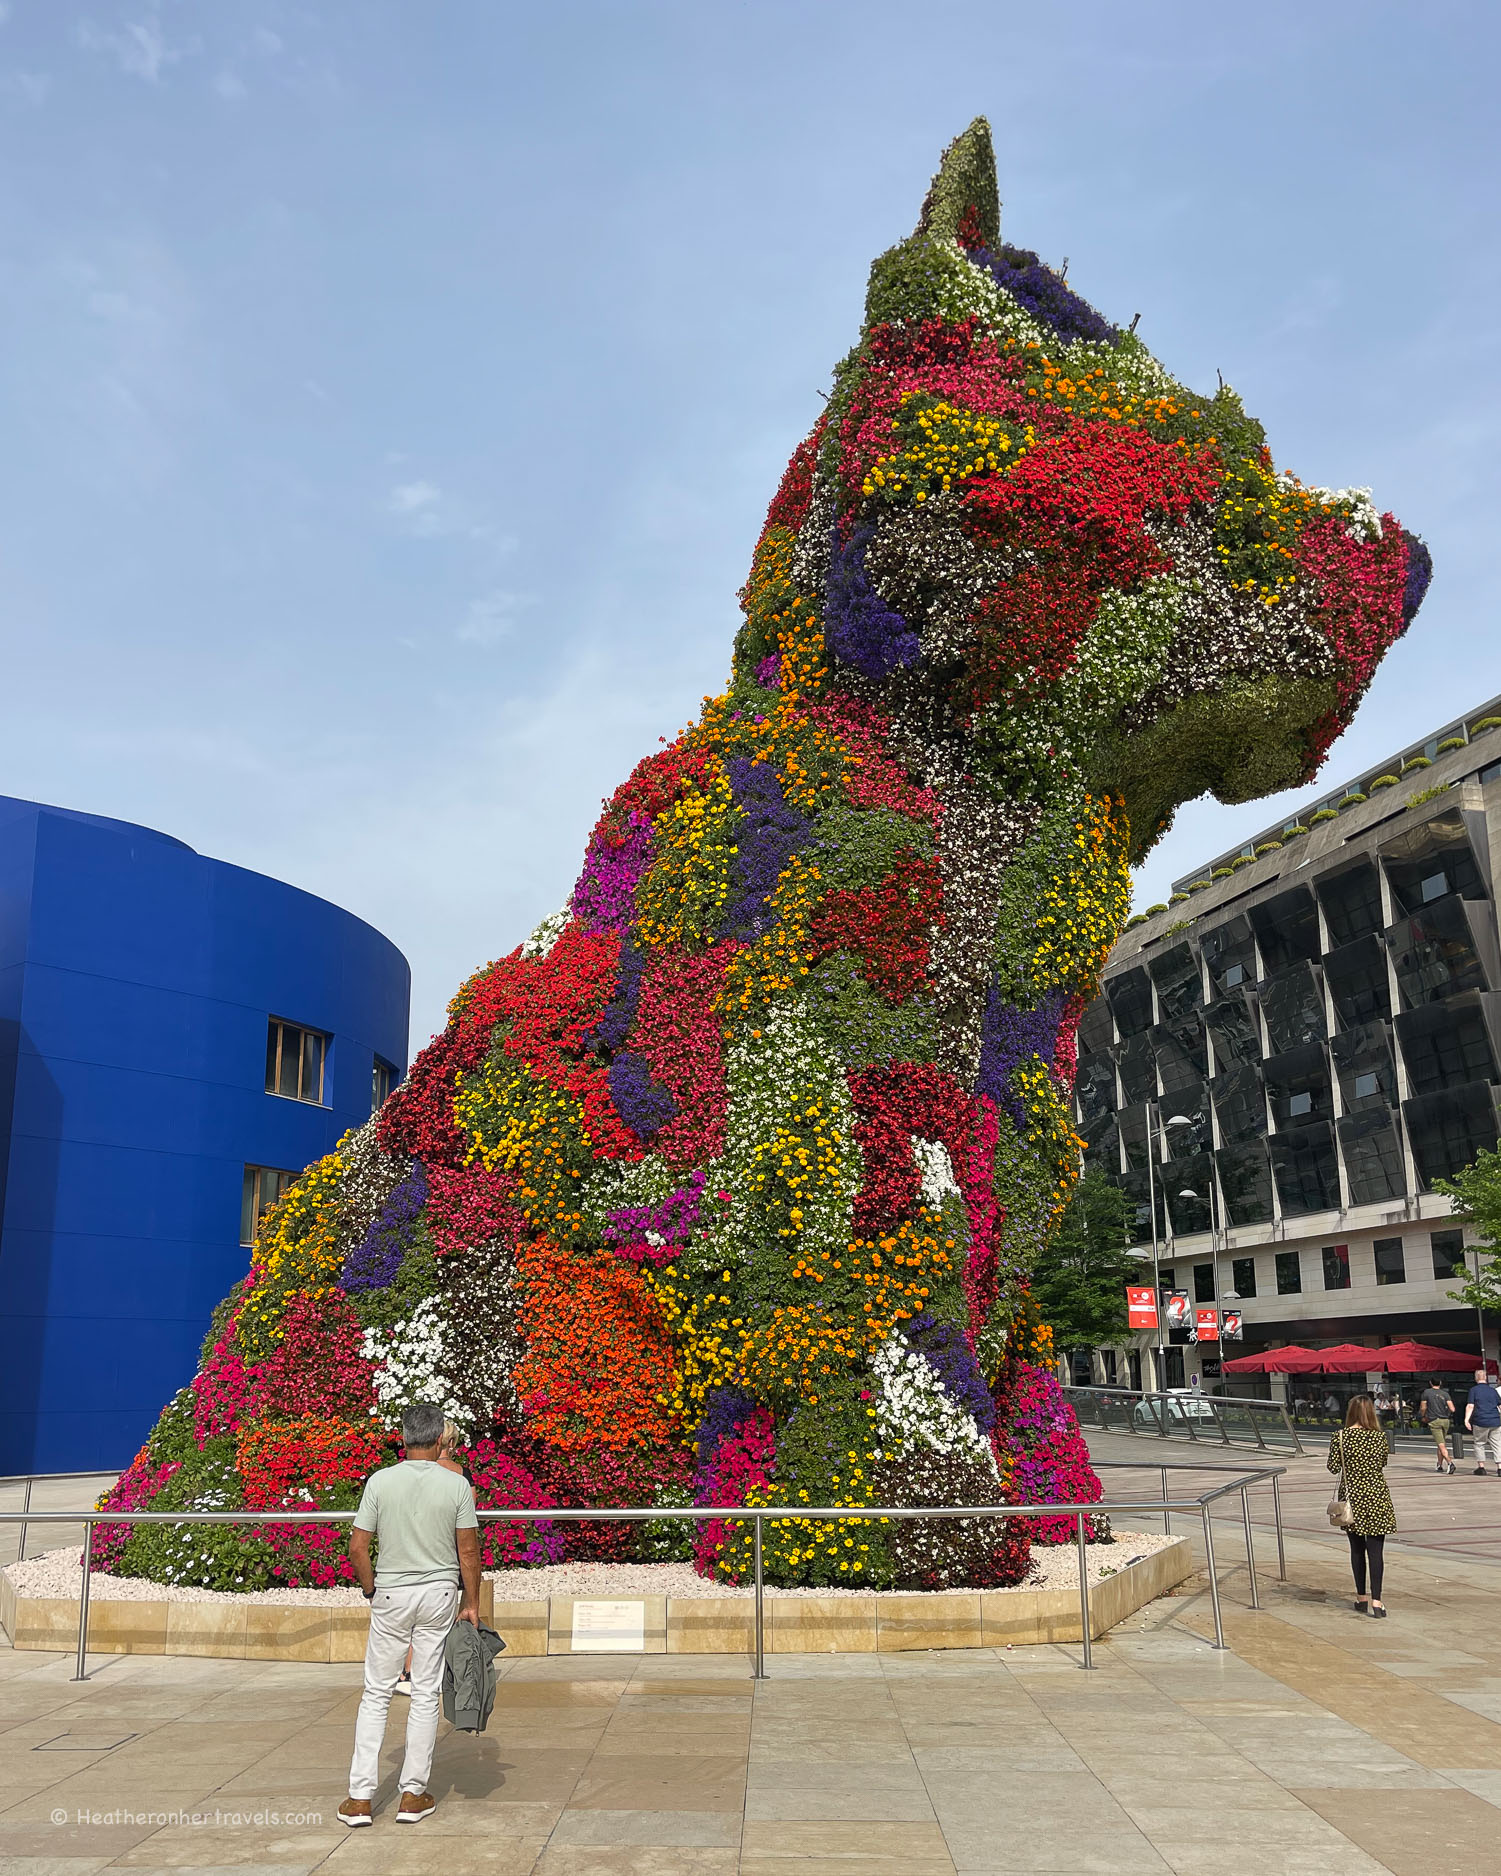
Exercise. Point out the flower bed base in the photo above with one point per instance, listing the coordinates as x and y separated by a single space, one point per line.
794 1624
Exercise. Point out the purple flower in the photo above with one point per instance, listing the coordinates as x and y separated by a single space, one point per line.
614 1026
605 897
859 626
1008 1037
1419 573
949 1355
772 833
769 672
725 1409
642 1103
672 1222
1043 294
377 1257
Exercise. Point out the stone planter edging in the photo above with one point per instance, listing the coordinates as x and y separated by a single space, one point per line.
673 1624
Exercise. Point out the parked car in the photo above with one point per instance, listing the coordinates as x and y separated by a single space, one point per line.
1177 1407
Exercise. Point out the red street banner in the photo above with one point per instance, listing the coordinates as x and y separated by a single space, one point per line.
1141 1306
1230 1329
1207 1323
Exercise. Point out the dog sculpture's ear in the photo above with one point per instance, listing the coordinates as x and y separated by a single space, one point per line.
926 276
963 195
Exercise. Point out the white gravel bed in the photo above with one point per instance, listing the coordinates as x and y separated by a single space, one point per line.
57 1573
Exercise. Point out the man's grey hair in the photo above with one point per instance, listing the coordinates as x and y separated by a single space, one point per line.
422 1424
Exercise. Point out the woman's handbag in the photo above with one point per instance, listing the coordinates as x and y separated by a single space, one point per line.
1340 1514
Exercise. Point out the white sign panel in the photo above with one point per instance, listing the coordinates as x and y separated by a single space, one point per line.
609 1628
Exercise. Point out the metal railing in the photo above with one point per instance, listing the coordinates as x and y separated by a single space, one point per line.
28 1479
1200 1416
758 1515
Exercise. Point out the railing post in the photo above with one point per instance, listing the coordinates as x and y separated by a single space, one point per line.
1167 1516
760 1668
1214 1581
1245 1518
1292 1431
1083 1589
79 1673
1277 1520
25 1507
1224 1435
1159 1416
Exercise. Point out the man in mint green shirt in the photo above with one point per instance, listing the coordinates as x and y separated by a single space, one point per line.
423 1520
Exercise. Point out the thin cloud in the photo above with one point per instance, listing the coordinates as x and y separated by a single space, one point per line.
491 617
139 47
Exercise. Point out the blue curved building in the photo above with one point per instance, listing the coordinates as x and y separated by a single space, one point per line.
178 1038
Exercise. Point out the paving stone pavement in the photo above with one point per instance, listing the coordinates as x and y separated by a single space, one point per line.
1320 1743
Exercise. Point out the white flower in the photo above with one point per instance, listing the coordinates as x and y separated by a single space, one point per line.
936 1170
548 932
411 1364
914 1409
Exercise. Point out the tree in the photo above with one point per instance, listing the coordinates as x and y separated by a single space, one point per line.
1476 1193
1080 1279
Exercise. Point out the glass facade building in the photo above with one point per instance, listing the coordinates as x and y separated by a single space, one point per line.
1284 1061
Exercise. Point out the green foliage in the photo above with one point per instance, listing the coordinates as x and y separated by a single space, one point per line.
1243 741
1451 742
1080 1278
1415 762
858 847
1485 723
1385 781
173 1438
859 1025
965 179
1476 1193
1429 794
1324 814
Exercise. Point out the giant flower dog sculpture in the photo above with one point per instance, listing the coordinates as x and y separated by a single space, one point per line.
725 1185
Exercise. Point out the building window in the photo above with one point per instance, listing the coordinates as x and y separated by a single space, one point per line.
1203 1283
1107 1358
1172 1363
1243 1275
1434 887
1235 976
1299 1104
1366 1085
380 1084
1448 1254
1167 1277
1336 1266
294 1061
1289 1274
262 1187
1390 1267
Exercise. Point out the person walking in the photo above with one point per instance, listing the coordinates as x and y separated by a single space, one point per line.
423 1519
1483 1420
1359 1451
1436 1409
448 1458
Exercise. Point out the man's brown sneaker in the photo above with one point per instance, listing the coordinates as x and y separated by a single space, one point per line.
354 1812
414 1806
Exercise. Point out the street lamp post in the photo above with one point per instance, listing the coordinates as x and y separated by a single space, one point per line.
1154 1114
1214 1248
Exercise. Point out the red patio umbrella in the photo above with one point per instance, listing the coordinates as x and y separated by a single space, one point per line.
1421 1358
1276 1361
1348 1358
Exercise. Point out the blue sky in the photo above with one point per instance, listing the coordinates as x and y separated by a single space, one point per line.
393 391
